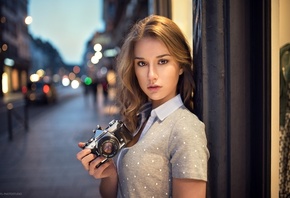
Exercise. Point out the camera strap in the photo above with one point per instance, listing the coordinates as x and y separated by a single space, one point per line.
148 123
143 115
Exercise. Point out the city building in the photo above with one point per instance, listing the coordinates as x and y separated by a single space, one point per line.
103 47
14 46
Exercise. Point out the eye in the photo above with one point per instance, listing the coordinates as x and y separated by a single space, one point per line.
141 63
162 61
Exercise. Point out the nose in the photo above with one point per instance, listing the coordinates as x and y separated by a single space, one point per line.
152 73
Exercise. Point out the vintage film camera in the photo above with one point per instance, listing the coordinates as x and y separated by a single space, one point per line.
109 141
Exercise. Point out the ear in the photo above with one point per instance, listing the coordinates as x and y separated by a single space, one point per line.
180 71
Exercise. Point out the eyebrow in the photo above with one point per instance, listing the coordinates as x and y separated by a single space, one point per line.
160 56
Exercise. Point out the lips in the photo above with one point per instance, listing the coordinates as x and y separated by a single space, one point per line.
153 87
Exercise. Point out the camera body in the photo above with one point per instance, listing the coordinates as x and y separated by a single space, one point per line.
109 141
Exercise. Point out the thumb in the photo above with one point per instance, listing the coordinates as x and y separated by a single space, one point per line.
81 144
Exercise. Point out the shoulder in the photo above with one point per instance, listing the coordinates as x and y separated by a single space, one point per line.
186 126
182 118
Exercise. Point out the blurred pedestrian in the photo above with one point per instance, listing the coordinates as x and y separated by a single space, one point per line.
94 88
168 155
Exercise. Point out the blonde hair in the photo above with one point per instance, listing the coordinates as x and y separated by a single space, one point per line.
130 95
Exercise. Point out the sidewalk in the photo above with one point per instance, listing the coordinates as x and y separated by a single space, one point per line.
10 97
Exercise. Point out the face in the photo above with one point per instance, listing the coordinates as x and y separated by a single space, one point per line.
156 69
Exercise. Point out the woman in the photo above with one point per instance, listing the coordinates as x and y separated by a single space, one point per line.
168 154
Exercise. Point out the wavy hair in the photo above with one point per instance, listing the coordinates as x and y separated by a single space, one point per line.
129 94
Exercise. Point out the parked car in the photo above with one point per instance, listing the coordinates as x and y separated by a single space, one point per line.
40 92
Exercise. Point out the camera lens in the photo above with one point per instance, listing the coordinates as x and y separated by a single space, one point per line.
108 147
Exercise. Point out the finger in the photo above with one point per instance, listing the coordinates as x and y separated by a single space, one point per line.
97 162
102 162
101 171
98 172
83 153
87 160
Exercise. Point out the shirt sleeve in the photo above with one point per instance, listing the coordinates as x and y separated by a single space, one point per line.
188 148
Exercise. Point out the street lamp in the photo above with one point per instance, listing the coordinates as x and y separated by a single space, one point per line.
28 20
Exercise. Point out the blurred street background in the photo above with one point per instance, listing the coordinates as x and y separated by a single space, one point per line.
57 81
41 162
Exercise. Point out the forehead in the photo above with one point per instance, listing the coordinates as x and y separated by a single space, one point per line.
150 45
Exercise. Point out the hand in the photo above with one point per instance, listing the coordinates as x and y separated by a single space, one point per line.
91 163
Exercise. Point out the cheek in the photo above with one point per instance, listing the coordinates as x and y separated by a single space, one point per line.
141 77
171 75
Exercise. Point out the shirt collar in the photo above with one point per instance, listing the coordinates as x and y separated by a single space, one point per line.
168 107
161 112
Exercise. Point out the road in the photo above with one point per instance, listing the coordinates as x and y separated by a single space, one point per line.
42 161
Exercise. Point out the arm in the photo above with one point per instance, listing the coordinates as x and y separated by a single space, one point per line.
109 187
189 188
190 131
107 172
